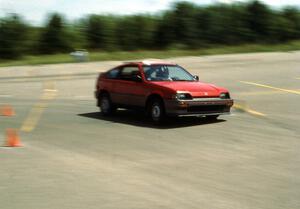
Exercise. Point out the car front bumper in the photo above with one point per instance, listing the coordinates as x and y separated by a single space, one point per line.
198 107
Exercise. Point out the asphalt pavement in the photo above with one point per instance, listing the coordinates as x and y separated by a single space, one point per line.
72 157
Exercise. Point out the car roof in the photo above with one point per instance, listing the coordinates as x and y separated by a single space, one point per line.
151 62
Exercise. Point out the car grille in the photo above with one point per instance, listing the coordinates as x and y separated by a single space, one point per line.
208 108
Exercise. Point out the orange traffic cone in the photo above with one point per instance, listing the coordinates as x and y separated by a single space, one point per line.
7 110
12 138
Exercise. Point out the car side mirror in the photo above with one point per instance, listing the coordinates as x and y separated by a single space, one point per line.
137 78
196 77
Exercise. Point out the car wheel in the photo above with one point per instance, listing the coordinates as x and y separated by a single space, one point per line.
157 111
212 117
106 106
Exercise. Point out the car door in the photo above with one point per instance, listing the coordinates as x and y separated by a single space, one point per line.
112 80
130 92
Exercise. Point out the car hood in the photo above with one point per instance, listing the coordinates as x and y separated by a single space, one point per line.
196 89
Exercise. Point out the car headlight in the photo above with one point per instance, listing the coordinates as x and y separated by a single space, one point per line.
183 96
224 96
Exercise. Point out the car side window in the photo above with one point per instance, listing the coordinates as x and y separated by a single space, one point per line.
156 72
113 74
128 72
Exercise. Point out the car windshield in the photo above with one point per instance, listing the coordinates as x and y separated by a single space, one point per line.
167 73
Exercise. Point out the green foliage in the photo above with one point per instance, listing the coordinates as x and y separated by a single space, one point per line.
53 39
165 34
184 23
160 54
184 26
259 21
292 18
13 35
95 32
135 32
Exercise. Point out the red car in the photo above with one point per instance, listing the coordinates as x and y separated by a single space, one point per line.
161 89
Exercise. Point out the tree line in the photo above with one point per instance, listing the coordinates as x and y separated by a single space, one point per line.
185 25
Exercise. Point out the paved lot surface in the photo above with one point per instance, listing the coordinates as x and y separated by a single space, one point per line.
74 158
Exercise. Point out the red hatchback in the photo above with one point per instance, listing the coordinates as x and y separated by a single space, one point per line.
161 89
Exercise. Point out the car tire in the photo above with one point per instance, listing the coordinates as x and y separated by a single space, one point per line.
157 111
212 117
106 106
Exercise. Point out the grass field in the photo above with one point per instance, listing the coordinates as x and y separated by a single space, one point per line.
143 54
